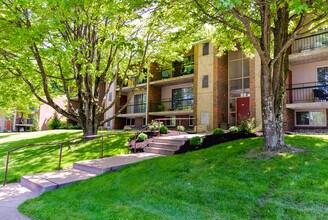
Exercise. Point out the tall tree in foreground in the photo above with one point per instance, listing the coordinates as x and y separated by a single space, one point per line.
75 47
269 27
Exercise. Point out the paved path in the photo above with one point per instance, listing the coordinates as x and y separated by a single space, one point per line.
11 196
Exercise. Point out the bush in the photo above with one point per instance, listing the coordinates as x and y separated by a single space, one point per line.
142 137
218 131
196 141
35 125
63 124
234 129
5 131
163 130
54 122
247 124
154 125
181 128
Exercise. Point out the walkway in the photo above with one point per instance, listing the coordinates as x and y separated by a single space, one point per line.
12 195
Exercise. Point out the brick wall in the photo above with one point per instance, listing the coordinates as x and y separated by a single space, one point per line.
154 97
220 89
252 87
289 119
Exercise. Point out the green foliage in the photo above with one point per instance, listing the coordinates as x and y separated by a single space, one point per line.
196 141
63 124
35 125
163 130
247 124
54 122
154 125
181 128
142 137
218 131
5 131
160 107
234 129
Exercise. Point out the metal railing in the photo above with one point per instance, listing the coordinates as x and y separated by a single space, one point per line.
315 41
133 108
70 142
22 121
307 92
172 105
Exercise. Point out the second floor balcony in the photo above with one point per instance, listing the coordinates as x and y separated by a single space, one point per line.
165 105
307 92
133 108
24 121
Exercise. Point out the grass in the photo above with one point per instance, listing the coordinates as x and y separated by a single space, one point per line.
45 158
221 182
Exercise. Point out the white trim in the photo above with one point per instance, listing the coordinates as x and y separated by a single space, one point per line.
311 110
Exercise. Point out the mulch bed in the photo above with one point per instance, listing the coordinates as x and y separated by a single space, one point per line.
141 145
211 140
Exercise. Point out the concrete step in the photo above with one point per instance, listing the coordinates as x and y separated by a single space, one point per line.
169 140
165 145
52 180
109 164
158 150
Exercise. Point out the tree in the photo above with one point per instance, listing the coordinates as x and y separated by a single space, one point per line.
269 27
79 48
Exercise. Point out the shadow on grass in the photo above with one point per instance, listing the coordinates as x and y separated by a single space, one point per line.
45 158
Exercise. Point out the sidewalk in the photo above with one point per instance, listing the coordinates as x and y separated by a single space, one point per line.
11 196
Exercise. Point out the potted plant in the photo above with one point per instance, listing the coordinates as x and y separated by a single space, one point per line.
160 107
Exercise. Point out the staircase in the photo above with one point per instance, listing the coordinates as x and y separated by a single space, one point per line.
168 145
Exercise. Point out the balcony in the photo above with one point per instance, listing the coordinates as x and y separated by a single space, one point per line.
24 122
175 107
133 109
307 95
310 48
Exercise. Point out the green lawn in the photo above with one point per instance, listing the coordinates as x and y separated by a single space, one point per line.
45 158
221 182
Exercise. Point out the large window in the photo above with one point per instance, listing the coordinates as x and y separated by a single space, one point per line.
238 72
311 118
206 48
139 105
183 98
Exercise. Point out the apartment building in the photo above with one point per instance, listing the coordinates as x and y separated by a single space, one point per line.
208 90
307 85
220 91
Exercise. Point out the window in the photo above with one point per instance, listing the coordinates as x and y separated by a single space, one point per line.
206 48
171 122
183 98
322 74
205 81
139 105
130 122
191 120
109 124
144 122
110 96
311 118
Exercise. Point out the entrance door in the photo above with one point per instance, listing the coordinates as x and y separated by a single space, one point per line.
123 101
242 108
8 125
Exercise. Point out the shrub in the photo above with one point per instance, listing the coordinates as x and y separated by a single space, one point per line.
5 131
142 137
35 125
218 131
70 126
234 129
54 122
163 130
154 125
63 124
196 141
181 128
247 124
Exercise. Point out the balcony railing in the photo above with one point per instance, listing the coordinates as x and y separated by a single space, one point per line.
26 121
307 92
312 42
172 105
133 108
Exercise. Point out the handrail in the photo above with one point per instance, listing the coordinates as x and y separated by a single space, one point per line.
60 151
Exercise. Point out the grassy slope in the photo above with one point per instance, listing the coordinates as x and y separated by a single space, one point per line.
218 182
45 158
